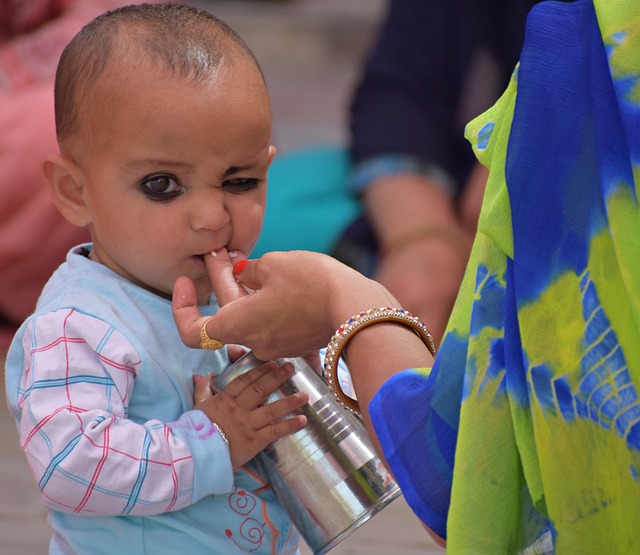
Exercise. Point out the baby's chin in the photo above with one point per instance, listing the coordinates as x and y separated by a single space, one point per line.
204 291
204 301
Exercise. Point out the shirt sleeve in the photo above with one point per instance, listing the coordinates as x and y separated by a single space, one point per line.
86 455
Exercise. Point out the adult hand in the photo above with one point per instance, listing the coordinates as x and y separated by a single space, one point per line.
298 300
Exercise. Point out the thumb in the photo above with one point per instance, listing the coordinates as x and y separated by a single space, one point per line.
186 313
246 274
201 389
235 352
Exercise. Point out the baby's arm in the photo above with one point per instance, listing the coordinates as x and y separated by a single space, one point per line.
86 456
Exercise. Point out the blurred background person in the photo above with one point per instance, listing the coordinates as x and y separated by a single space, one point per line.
433 66
34 238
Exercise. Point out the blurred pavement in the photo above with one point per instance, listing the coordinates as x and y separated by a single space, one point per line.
310 52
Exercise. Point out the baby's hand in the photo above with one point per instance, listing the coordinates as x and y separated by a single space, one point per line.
236 409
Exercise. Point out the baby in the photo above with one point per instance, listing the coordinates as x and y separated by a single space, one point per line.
164 123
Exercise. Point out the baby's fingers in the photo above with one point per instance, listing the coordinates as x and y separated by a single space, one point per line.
252 388
242 451
273 412
282 428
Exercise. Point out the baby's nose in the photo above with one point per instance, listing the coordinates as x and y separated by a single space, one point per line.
208 211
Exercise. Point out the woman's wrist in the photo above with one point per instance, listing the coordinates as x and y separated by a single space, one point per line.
356 324
402 204
377 353
451 235
352 293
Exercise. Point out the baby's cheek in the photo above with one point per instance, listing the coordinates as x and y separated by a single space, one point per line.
247 227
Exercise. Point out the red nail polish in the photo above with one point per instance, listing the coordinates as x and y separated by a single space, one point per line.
239 266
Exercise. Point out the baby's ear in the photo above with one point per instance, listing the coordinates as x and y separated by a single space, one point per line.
66 185
272 153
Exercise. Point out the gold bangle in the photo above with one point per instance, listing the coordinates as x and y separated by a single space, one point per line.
350 328
455 237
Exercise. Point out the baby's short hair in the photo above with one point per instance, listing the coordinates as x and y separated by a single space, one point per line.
188 42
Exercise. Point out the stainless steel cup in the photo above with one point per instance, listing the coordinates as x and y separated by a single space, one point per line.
327 475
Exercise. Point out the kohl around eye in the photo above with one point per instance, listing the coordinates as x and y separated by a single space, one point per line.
161 186
241 184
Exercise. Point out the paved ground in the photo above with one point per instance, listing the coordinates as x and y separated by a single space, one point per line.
310 52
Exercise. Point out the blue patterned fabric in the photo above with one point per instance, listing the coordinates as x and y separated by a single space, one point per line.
526 434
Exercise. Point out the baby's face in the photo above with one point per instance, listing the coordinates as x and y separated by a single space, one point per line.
173 171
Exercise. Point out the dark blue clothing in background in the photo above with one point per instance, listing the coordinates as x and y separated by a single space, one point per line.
411 97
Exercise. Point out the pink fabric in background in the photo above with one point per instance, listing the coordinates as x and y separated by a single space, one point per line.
34 237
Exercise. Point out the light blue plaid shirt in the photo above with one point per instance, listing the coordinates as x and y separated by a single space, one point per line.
101 388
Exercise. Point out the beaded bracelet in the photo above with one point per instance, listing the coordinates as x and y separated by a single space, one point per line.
350 328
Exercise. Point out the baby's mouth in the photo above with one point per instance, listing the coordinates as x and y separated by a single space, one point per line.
202 256
199 260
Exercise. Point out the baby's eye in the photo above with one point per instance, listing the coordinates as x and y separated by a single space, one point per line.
241 184
161 187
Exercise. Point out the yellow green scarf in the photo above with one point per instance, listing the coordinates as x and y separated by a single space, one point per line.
526 433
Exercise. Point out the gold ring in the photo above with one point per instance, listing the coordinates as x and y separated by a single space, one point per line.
207 342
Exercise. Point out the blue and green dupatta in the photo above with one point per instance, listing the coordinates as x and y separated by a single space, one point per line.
526 432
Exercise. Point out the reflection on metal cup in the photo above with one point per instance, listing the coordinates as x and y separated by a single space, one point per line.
327 475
